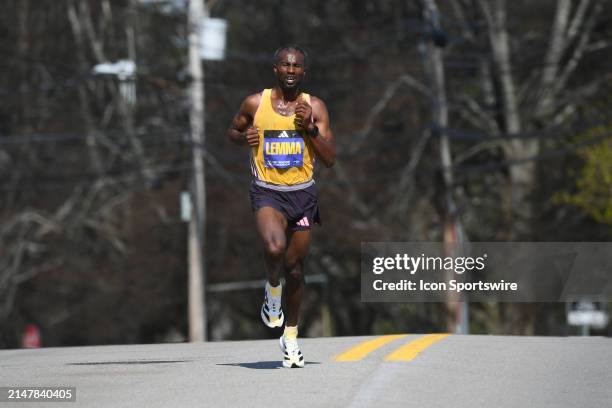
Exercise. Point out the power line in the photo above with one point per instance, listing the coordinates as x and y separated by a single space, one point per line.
456 134
184 166
67 137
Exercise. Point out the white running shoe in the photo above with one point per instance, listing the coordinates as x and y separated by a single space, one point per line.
272 311
292 356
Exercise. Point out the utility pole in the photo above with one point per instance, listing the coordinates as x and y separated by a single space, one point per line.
453 235
197 220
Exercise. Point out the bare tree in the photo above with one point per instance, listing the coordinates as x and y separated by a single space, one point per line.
544 88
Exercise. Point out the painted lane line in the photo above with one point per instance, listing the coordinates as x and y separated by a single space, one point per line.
363 349
410 350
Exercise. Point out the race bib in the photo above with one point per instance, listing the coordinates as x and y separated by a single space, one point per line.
283 149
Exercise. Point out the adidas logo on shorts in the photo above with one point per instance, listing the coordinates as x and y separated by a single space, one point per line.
303 222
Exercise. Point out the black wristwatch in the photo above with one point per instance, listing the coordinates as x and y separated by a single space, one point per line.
314 133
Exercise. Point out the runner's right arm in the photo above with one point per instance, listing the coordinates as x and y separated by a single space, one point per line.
241 131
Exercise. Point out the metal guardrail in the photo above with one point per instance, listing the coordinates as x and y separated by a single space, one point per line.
259 283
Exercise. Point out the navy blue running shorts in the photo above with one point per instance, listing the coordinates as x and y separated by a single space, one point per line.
300 207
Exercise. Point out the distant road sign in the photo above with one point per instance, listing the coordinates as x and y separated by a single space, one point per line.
587 313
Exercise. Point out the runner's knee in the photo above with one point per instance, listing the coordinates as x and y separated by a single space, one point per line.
294 270
275 247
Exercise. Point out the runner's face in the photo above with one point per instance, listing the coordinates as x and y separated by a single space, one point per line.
289 69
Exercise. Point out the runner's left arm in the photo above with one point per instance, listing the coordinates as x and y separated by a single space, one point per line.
315 120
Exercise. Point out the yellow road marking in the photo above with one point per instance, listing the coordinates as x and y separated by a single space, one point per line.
363 349
410 350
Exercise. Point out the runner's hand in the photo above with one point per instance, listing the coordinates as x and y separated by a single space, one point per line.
251 135
303 114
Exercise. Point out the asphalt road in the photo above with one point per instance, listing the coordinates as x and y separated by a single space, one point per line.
443 371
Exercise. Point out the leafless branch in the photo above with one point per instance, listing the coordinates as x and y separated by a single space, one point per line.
459 11
580 48
96 43
564 115
403 192
391 90
577 21
353 197
556 48
474 150
475 114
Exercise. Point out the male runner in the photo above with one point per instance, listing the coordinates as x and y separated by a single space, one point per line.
286 130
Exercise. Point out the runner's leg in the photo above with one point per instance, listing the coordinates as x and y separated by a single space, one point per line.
299 243
271 225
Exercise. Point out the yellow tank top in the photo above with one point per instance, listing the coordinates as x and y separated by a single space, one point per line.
284 156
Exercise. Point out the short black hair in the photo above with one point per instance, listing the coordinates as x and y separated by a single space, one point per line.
293 47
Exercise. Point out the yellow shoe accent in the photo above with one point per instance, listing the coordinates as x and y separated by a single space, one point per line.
275 291
290 333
